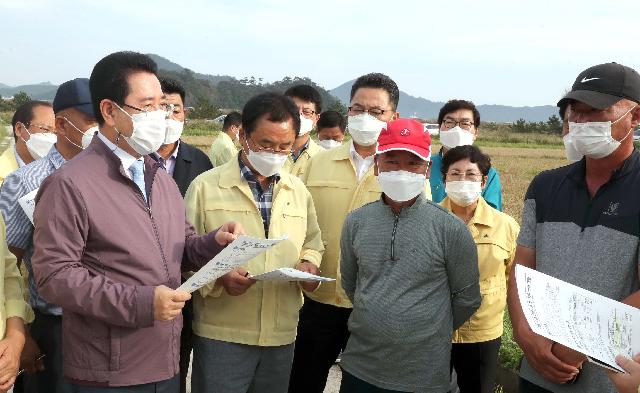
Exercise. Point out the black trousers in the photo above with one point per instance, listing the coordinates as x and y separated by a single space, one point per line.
476 365
46 331
351 384
322 334
186 344
169 386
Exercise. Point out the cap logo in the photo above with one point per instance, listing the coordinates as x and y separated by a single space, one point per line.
405 132
585 79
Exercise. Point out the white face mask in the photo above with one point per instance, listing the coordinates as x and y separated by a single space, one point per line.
365 129
149 129
455 137
267 164
329 143
87 136
174 131
572 154
463 193
402 186
593 139
39 144
306 125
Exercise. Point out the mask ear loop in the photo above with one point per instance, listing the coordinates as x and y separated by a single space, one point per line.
77 129
27 130
118 133
622 117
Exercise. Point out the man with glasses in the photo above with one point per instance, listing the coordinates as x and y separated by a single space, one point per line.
340 181
309 102
459 122
111 238
33 117
245 330
73 118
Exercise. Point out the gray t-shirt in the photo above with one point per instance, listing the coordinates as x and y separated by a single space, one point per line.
588 242
413 279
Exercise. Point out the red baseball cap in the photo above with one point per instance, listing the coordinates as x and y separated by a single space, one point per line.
405 134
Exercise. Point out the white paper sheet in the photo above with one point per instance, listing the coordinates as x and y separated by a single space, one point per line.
28 204
594 325
235 254
289 274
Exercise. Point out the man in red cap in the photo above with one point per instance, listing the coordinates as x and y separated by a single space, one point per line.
410 269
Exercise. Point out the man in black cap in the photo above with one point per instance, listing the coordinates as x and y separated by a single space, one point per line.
580 222
74 119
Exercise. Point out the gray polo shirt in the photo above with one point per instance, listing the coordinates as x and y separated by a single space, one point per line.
588 242
412 279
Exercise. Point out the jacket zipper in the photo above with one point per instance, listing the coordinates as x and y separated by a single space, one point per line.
393 237
147 203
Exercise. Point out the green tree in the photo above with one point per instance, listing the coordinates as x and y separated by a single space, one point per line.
554 125
520 126
338 107
205 110
21 98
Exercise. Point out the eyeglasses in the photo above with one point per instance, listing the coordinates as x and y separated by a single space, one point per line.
151 108
40 127
464 124
268 149
307 112
375 112
457 176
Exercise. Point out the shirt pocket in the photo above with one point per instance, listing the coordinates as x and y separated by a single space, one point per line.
216 214
294 224
493 258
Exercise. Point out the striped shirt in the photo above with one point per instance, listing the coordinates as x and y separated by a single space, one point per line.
262 197
19 227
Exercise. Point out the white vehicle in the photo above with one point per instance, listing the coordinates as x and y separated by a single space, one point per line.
431 128
220 119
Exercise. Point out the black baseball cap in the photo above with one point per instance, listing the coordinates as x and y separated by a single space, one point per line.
74 94
603 85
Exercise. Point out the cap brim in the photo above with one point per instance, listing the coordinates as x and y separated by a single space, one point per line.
425 154
592 98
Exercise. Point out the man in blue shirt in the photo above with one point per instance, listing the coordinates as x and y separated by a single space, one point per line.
74 119
459 122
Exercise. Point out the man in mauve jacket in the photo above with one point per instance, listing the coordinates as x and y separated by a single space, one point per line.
111 239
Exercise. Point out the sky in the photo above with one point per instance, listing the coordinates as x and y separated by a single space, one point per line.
517 53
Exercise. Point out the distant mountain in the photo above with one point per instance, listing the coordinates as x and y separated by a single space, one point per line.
41 91
168 65
426 109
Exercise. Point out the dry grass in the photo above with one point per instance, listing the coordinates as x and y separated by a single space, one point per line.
517 167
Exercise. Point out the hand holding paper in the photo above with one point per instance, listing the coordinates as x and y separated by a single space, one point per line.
228 232
588 323
235 254
236 282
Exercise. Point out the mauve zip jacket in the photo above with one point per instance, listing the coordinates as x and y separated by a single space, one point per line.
100 250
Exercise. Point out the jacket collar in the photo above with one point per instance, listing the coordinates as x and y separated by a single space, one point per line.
483 214
108 153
